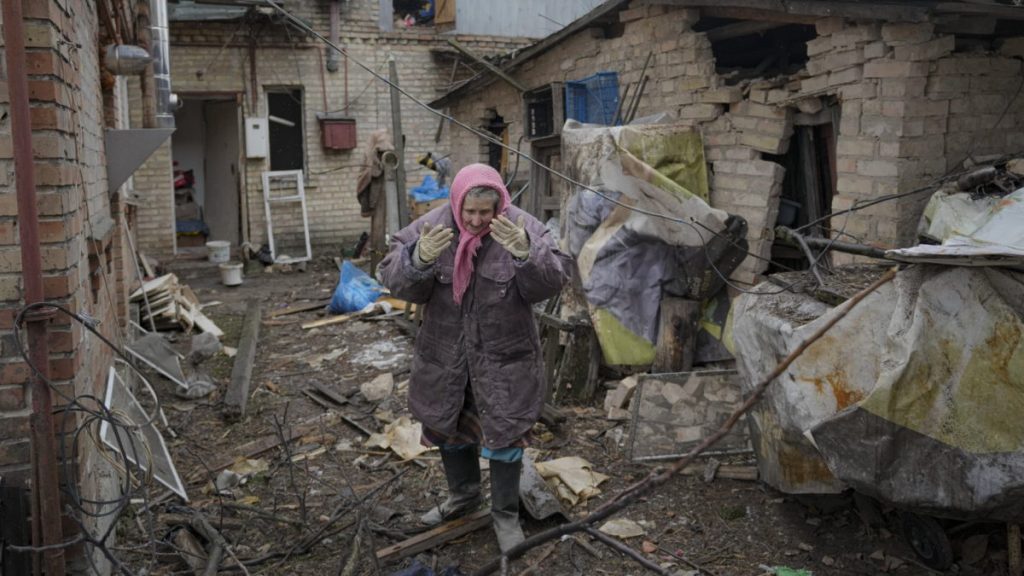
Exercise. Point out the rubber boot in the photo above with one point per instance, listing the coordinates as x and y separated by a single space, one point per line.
505 503
462 470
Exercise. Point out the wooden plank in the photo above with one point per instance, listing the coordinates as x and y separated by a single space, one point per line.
445 12
329 393
486 64
316 399
332 320
435 537
821 8
237 394
757 15
739 29
677 335
296 308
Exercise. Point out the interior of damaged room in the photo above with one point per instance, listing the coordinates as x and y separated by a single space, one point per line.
764 261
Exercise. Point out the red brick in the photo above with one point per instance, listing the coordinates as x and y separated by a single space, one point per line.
12 427
13 373
60 341
42 62
9 233
44 118
64 368
16 452
12 398
7 318
53 231
43 90
59 286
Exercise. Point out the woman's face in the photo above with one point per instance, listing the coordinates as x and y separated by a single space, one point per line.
477 214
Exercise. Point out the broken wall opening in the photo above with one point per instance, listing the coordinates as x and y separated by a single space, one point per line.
745 49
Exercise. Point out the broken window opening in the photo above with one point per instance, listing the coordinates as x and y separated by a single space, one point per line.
412 13
746 49
807 191
497 156
287 144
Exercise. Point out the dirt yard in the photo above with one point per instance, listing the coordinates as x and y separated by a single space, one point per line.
323 503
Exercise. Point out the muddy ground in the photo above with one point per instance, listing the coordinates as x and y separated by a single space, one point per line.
325 502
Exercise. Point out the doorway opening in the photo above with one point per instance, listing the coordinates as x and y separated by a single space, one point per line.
808 187
207 187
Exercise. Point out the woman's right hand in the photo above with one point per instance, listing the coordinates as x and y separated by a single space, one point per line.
433 241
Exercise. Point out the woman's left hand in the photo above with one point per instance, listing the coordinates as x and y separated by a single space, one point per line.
512 236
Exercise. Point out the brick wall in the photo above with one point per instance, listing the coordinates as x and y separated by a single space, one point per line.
80 236
214 58
911 109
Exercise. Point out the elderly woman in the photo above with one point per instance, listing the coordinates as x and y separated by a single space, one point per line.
477 378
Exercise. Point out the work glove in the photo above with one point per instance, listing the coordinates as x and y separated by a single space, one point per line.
511 236
433 241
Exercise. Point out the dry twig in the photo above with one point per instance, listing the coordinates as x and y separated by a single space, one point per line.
658 476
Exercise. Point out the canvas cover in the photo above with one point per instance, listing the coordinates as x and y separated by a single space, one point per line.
667 241
925 375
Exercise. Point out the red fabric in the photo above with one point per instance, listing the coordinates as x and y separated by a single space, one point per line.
468 178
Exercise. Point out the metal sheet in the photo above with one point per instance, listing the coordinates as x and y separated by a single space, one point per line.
128 149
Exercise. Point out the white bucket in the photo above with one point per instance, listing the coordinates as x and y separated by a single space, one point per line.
230 274
218 251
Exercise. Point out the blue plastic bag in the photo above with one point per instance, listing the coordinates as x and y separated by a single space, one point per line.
428 190
355 291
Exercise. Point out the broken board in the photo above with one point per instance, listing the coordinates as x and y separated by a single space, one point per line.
436 536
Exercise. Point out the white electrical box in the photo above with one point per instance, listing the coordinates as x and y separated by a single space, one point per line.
256 138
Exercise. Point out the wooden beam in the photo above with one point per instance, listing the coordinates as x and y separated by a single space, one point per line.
435 537
494 69
739 29
965 25
1005 12
820 8
295 309
757 15
677 335
237 395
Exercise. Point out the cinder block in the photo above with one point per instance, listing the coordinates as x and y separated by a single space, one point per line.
894 69
700 111
855 146
764 143
903 87
724 95
830 25
847 76
1013 47
854 35
877 168
814 84
932 50
906 33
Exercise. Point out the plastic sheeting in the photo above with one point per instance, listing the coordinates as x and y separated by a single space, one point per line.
993 237
627 258
925 375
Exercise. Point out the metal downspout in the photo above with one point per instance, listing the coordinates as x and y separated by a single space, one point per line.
160 50
46 496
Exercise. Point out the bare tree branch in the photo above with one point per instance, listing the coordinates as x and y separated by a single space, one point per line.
658 476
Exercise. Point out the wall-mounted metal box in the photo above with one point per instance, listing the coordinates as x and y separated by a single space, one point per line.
257 141
337 132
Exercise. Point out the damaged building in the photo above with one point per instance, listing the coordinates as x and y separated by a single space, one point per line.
804 111
259 95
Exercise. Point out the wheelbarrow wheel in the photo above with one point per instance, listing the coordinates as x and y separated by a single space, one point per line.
928 539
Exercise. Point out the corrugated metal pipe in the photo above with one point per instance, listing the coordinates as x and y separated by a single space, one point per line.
166 102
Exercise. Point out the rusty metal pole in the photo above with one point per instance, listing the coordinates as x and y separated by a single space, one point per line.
46 517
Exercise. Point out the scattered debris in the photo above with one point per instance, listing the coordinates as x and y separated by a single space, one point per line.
616 402
379 388
435 537
237 395
622 528
402 436
572 478
172 305
534 492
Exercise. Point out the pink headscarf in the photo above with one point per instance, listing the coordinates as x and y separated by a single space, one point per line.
468 178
